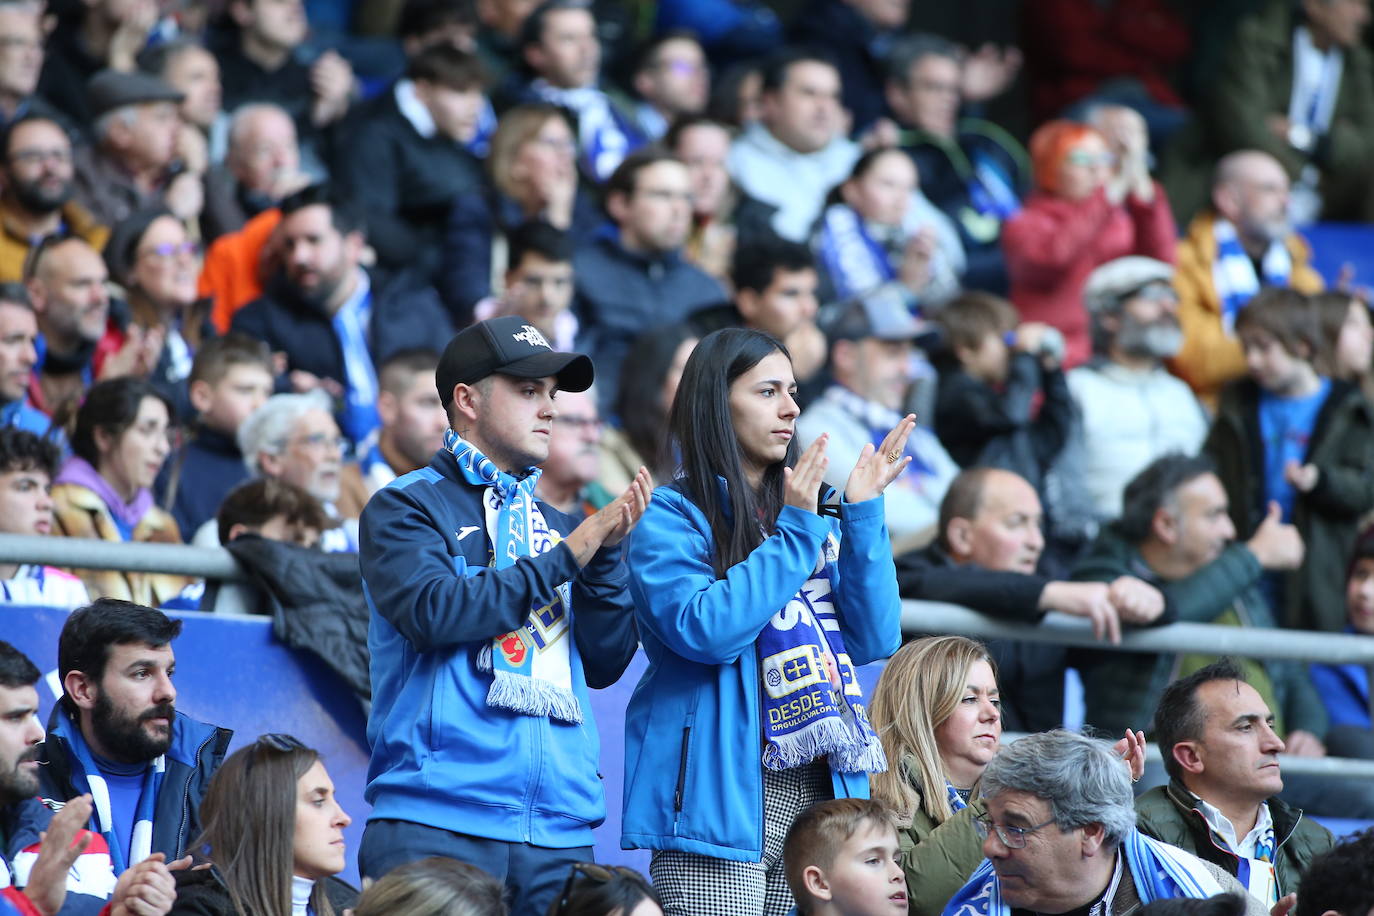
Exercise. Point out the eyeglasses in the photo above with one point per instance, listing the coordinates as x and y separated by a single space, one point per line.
1087 159
320 442
35 156
600 874
581 424
1011 837
168 250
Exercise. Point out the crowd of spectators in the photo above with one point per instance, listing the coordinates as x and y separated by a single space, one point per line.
237 236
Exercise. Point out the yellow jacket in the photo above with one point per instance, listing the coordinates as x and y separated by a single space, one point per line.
14 247
1211 357
81 513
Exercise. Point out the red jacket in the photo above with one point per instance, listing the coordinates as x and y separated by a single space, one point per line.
1053 244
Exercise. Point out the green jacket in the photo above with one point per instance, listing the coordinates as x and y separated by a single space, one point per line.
1256 82
939 858
1342 447
1170 813
1121 687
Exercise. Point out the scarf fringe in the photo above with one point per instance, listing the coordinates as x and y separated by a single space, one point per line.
533 698
849 750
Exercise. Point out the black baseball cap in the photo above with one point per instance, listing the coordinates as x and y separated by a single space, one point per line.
509 346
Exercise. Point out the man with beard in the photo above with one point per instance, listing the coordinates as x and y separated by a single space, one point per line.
36 168
333 319
1135 327
117 726
60 867
1242 243
871 358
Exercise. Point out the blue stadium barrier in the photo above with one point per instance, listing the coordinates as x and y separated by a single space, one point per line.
233 673
1338 244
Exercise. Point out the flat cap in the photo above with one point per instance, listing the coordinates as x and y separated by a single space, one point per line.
1109 284
111 89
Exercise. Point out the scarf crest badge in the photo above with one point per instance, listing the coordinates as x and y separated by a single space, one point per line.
813 704
531 666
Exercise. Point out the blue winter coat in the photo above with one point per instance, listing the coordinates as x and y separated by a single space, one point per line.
440 755
693 728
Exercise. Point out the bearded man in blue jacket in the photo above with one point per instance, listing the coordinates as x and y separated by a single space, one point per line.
492 614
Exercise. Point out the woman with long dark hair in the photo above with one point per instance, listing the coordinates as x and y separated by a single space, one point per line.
119 443
756 594
274 831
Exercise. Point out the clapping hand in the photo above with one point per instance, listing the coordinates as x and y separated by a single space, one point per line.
878 467
801 485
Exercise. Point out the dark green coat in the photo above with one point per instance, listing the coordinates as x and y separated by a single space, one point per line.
1169 813
1121 687
1342 447
1256 82
939 858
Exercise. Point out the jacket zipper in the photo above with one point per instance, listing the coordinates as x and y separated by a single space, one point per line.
186 796
682 770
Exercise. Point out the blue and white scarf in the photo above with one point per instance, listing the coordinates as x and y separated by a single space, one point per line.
990 189
87 778
956 798
532 666
351 326
604 136
1234 272
812 702
853 259
1159 871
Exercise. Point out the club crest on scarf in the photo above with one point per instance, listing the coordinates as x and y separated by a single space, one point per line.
813 704
531 667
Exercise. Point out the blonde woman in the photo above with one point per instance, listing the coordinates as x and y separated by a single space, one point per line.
937 710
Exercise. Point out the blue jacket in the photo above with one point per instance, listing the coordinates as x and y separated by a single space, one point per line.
440 755
693 735
1344 690
196 752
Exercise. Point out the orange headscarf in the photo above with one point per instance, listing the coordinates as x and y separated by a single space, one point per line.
1050 145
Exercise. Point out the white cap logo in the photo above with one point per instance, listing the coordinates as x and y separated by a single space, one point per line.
531 336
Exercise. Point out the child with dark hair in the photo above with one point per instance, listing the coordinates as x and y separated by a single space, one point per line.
1291 436
27 466
993 371
231 377
538 283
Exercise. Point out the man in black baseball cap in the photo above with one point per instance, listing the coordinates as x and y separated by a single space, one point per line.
492 614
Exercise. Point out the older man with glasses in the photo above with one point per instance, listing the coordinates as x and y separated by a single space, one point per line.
1060 837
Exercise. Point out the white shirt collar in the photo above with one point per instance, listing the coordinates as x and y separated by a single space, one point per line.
1222 826
301 889
414 110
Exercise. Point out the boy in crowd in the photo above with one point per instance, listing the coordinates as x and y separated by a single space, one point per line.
539 283
267 508
27 466
1289 435
230 378
990 376
842 859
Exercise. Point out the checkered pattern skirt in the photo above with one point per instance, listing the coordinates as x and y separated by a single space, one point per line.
695 885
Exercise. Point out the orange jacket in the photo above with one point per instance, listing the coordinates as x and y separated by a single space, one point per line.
233 272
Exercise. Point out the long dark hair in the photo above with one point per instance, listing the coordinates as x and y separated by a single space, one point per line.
705 436
249 816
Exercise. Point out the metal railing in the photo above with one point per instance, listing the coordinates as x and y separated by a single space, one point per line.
918 617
